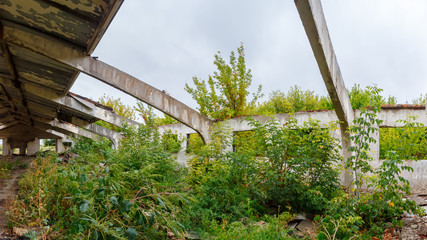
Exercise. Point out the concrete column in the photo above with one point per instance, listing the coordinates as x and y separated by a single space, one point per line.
347 179
22 150
33 147
181 156
7 149
375 146
59 145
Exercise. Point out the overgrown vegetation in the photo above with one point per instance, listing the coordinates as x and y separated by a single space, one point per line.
133 193
278 169
139 192
225 94
295 100
408 141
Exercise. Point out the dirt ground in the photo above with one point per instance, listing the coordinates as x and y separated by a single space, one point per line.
11 167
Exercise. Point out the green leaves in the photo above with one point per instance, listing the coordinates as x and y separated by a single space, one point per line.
124 194
113 200
293 101
125 206
300 170
369 97
362 133
408 141
225 94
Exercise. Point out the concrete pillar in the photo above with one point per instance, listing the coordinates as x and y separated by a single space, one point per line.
22 150
182 156
347 179
7 149
59 146
33 147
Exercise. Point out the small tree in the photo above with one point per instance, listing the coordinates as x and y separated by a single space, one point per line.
225 95
119 107
361 132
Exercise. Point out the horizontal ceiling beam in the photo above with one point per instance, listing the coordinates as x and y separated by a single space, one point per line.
66 128
81 127
88 108
102 131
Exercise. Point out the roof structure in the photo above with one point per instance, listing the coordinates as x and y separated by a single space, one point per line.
34 88
45 44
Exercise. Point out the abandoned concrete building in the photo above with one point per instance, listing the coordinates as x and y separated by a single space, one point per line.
45 45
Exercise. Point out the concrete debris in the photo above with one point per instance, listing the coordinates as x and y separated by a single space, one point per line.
19 231
260 223
414 228
302 226
192 235
300 217
423 229
305 226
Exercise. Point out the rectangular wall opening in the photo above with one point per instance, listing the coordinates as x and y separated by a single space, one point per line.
407 142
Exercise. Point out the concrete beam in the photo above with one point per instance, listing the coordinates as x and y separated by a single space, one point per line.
70 103
71 128
314 22
11 123
4 110
79 127
102 131
313 19
65 128
84 63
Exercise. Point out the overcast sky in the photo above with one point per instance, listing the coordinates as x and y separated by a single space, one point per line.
166 42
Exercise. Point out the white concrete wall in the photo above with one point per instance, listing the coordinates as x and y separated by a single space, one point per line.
418 178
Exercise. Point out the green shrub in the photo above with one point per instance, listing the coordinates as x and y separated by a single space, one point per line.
383 202
408 142
271 227
222 182
135 192
301 168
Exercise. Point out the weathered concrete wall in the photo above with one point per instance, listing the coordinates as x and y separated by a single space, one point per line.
33 147
418 178
7 149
